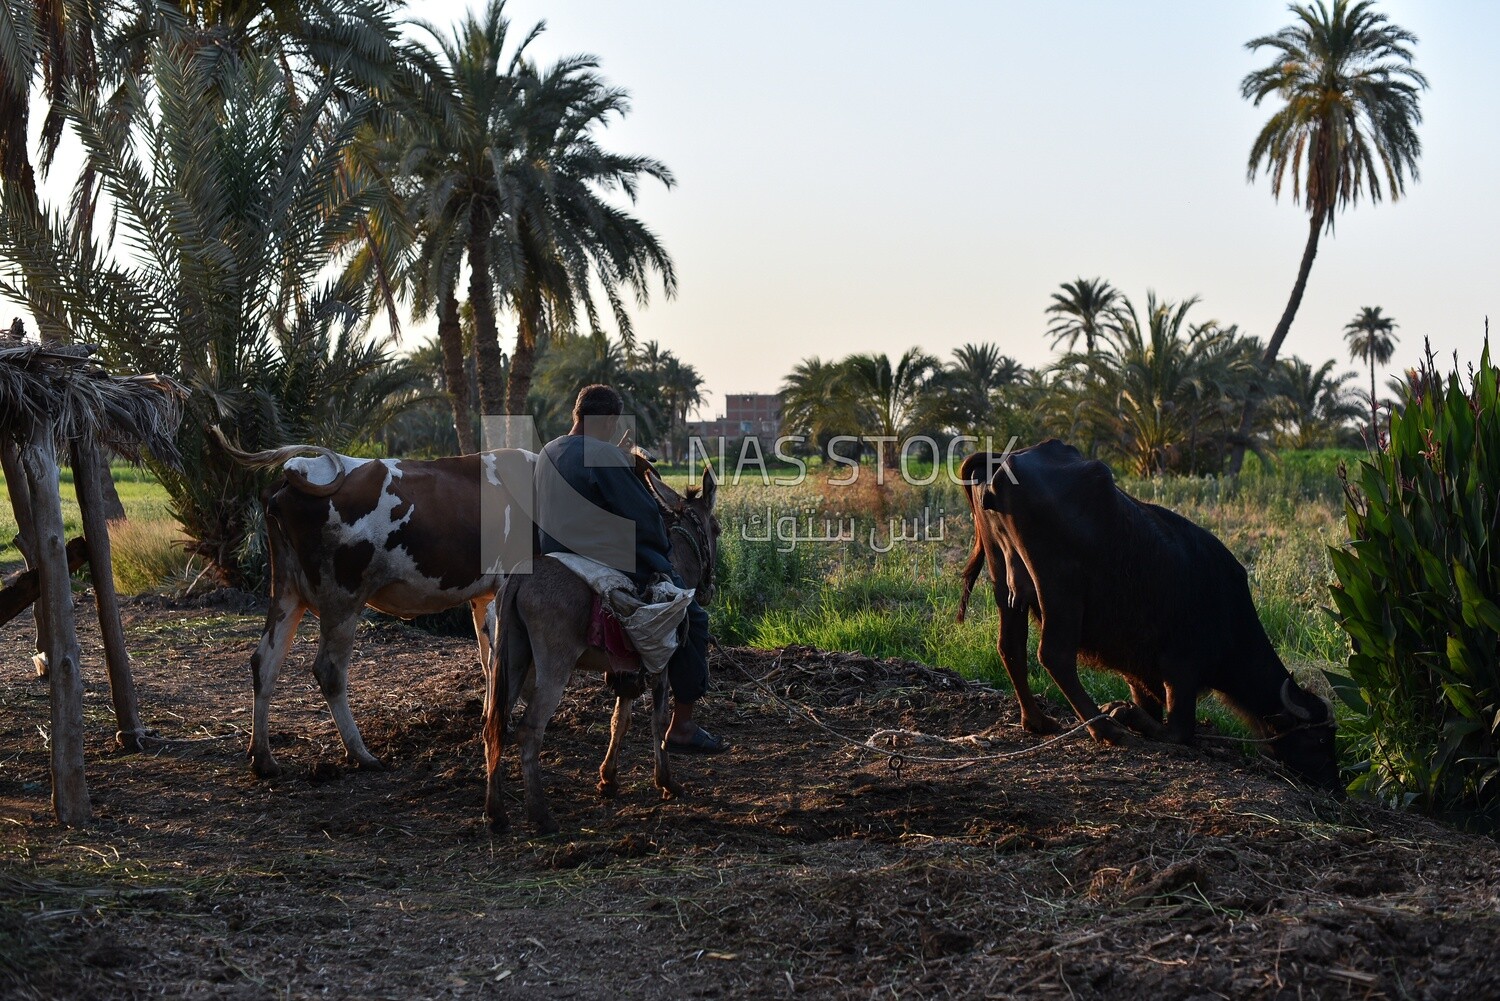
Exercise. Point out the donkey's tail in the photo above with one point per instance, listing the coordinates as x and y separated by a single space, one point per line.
298 478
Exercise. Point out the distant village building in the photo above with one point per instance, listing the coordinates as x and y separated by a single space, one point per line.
744 414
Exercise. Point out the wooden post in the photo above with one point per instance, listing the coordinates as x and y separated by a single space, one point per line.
70 794
91 505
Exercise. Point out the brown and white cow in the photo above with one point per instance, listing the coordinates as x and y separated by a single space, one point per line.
404 536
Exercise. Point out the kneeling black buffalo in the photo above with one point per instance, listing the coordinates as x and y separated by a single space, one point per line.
1135 589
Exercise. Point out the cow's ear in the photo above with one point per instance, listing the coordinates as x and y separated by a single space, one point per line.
710 485
668 498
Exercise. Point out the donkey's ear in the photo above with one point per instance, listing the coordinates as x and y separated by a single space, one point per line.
665 495
710 485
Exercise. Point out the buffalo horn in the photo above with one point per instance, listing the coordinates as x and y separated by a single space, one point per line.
1291 704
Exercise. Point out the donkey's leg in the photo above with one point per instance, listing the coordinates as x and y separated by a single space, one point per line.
331 668
619 725
282 620
661 712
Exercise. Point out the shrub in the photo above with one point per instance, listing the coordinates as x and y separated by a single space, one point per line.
1418 592
148 554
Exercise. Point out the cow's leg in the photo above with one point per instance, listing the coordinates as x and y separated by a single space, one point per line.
282 620
494 743
661 712
619 725
1014 626
331 668
477 608
1058 652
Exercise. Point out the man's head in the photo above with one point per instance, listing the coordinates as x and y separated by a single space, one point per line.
597 410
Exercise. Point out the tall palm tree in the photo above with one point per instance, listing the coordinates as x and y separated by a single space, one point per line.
456 155
1084 308
813 403
1371 337
1347 127
559 235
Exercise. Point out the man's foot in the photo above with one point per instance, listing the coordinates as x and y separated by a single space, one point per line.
700 742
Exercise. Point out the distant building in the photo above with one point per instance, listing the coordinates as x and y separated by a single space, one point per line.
744 414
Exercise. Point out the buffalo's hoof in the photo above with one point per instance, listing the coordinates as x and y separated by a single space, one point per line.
1040 723
1107 731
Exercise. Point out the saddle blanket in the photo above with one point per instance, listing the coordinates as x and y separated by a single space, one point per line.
649 623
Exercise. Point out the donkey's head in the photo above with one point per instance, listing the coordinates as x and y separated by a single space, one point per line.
693 529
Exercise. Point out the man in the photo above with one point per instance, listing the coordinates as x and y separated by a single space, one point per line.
591 502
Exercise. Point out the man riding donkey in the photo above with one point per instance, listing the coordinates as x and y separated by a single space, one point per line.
591 501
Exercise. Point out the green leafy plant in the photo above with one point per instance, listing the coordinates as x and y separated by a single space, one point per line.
1418 592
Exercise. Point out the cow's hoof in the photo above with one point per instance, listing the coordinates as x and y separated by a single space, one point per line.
497 824
1107 731
672 790
607 790
1040 723
546 824
368 764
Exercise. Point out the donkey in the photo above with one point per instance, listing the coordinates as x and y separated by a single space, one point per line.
543 620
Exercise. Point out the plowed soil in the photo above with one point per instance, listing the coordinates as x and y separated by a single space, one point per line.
798 865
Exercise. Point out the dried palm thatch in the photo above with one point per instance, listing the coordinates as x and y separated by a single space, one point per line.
59 385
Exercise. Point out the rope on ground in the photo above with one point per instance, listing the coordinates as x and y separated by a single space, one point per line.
897 758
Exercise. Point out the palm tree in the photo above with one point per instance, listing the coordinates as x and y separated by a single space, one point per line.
1084 308
813 403
1313 406
896 401
456 155
1153 392
977 373
1370 336
234 289
559 236
1348 126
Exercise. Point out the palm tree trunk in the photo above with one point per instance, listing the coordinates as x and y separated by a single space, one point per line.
523 361
455 377
1273 347
482 300
1374 413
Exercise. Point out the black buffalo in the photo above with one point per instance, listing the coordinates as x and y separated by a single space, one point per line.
1135 589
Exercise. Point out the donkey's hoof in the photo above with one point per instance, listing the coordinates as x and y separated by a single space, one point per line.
368 763
265 766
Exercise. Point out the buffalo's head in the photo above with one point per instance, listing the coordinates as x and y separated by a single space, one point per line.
1302 737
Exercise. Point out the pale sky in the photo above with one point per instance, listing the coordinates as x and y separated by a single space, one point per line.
870 175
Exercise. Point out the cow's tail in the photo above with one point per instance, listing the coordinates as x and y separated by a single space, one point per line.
276 456
968 478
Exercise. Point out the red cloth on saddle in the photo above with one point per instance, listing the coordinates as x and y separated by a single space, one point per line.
606 633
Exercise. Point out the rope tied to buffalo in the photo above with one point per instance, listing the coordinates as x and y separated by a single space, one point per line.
896 758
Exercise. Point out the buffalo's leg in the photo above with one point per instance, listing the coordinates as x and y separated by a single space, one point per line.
1011 642
1150 697
619 725
282 619
1182 714
331 668
1058 652
661 711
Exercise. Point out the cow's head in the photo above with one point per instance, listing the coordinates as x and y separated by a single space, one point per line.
1302 737
691 524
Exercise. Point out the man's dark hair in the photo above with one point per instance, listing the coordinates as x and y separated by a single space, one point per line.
598 400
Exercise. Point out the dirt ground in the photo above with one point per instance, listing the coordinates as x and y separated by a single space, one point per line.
798 865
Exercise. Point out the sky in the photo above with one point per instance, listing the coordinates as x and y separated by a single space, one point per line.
859 175
869 176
